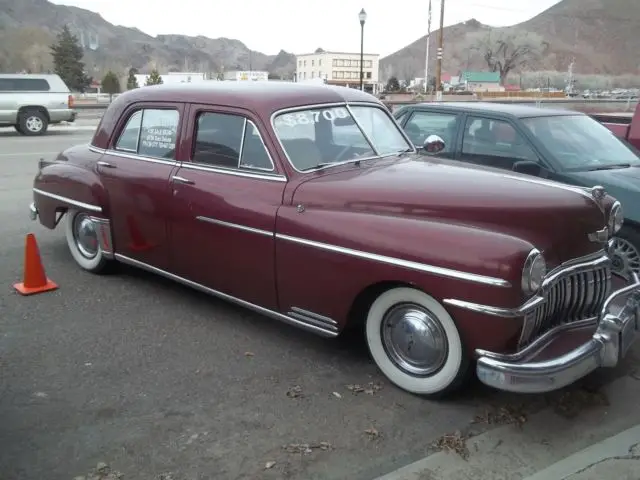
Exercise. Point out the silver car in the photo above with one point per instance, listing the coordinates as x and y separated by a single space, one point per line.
31 102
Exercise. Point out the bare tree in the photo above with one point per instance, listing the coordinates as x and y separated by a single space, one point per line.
507 50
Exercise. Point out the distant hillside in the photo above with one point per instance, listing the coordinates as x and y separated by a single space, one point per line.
602 35
28 27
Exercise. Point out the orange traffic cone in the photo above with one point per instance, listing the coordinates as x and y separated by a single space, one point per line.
35 279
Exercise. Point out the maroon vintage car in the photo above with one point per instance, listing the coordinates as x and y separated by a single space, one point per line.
309 204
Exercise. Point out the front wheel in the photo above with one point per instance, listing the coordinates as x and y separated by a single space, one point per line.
626 252
82 239
33 122
415 342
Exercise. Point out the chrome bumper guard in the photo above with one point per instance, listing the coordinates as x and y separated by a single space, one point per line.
569 352
33 211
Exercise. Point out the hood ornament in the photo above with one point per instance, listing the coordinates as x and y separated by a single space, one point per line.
598 192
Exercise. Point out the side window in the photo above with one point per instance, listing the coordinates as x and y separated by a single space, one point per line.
158 133
128 140
401 118
422 124
151 133
494 143
218 139
254 154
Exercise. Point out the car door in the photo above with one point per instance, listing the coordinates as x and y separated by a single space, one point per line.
420 124
226 197
497 143
135 170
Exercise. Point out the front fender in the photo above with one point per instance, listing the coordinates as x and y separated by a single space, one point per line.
60 186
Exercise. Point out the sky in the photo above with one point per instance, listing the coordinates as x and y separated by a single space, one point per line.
300 27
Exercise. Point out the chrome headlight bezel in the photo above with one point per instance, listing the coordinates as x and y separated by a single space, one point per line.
533 272
616 218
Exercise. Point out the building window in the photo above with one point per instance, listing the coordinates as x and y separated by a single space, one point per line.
320 62
368 63
299 63
368 75
313 63
334 62
340 62
313 74
305 63
334 75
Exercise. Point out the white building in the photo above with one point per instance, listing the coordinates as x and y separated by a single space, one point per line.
175 77
339 68
244 75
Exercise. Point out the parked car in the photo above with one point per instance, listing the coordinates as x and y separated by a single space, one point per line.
241 191
561 145
32 102
626 127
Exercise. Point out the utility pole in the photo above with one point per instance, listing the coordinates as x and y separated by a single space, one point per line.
440 49
426 63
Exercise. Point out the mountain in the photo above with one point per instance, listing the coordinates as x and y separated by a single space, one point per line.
600 35
28 27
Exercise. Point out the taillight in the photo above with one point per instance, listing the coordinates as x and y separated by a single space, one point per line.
70 101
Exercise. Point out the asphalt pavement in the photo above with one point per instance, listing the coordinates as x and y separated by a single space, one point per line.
159 381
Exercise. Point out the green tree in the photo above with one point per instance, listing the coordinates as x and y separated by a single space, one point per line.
132 82
393 85
154 78
111 84
67 60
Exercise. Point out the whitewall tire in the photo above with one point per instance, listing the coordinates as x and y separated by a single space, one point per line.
415 342
82 239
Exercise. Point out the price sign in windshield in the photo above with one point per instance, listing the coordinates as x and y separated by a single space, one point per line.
307 117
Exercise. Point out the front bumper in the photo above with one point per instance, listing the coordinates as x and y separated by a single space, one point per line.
33 211
569 352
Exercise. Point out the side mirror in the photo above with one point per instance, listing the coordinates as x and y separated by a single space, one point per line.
528 167
433 144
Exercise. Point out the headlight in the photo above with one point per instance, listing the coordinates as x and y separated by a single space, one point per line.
535 268
616 218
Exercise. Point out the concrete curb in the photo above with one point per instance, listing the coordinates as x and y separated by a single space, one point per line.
544 443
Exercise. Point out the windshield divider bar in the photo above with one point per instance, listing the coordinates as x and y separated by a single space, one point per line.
366 137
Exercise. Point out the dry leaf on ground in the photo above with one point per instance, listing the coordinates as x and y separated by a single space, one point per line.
269 465
455 442
503 415
572 402
295 392
307 448
372 433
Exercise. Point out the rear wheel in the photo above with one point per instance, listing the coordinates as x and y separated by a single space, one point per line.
33 122
415 342
82 239
626 252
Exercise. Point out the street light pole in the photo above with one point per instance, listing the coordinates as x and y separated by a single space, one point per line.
363 18
440 43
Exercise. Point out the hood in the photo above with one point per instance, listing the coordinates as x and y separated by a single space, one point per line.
553 217
621 183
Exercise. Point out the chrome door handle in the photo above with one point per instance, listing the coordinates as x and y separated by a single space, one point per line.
105 164
178 179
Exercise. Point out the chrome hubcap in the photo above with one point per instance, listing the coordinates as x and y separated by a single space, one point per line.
34 124
414 339
85 235
625 257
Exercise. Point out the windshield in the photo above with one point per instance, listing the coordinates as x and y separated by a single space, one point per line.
325 136
579 142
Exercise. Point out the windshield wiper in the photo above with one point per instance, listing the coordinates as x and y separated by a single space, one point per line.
609 167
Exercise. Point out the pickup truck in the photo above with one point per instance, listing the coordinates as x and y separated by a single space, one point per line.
554 144
623 125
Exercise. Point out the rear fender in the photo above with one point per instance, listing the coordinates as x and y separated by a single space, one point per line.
60 186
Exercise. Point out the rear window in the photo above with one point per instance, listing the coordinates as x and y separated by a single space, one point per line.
24 85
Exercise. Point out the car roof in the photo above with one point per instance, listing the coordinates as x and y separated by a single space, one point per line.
506 109
262 97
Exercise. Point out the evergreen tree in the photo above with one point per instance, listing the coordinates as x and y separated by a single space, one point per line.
67 60
110 84
132 82
154 78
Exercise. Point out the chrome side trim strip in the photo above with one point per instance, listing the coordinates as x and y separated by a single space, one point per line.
75 203
234 225
238 173
421 267
497 311
319 330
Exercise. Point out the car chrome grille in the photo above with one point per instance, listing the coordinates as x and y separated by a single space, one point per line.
570 298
